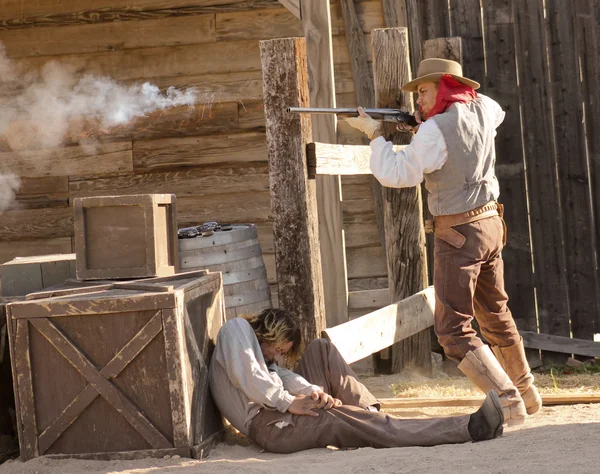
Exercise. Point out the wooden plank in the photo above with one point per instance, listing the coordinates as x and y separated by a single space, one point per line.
316 22
416 32
466 22
113 301
361 73
238 207
96 159
293 6
22 375
341 159
48 223
233 86
172 325
574 173
204 181
145 63
258 24
364 91
293 196
549 399
37 193
110 371
19 14
501 84
251 115
358 300
376 283
200 119
447 48
587 31
375 331
402 208
564 345
394 13
370 16
368 262
26 248
188 152
108 391
113 36
539 149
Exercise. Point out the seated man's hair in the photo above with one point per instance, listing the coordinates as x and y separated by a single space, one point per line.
276 326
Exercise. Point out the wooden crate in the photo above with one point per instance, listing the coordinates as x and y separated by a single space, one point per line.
24 275
120 237
119 370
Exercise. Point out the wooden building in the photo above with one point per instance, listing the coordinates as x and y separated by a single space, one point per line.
214 156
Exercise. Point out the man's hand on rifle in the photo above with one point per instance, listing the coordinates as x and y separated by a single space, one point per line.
365 124
404 127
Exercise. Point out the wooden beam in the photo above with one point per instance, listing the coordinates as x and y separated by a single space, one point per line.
402 208
293 196
364 90
565 345
316 22
325 158
375 331
475 401
293 6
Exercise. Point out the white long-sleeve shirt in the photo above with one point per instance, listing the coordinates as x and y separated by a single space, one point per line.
241 382
426 153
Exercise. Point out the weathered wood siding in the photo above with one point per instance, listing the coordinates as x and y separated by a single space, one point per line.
214 157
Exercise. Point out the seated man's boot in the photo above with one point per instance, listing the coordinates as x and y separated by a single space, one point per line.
484 370
486 423
514 362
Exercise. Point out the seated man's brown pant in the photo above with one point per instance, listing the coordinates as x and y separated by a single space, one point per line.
351 425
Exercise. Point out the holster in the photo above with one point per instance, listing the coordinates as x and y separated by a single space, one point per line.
443 226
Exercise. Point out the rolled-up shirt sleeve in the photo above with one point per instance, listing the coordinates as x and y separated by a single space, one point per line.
238 351
426 153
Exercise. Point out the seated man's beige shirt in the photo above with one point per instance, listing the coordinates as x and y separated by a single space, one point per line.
241 382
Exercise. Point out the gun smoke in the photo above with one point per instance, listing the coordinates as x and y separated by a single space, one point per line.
49 107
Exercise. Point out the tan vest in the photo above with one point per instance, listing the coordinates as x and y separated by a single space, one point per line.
467 180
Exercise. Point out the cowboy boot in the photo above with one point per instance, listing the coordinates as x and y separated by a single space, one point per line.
514 362
486 423
484 370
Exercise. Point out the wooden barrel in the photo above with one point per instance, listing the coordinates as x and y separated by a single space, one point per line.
237 254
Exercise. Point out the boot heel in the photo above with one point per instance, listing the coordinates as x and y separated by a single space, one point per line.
515 422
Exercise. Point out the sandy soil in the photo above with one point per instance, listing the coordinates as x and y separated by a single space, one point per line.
560 439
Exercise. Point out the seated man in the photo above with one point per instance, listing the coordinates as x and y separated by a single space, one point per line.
322 403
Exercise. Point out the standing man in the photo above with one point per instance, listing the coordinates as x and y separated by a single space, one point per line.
454 153
322 403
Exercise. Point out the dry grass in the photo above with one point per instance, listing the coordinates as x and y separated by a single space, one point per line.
410 384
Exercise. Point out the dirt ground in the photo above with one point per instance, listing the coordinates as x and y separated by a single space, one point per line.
559 439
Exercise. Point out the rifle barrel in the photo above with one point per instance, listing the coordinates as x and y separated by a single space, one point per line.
340 111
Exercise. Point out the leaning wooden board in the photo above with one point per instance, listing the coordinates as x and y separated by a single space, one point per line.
119 369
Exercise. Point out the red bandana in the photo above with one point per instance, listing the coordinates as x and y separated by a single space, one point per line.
449 92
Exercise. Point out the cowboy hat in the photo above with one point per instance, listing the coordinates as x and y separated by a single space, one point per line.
431 70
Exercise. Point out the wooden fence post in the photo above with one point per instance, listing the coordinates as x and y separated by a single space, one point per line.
293 196
402 208
316 22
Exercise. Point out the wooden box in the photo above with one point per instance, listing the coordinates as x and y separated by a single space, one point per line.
124 237
118 370
28 274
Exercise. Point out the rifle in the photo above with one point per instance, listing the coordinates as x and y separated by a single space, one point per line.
384 115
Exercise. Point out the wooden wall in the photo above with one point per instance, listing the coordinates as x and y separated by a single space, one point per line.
212 157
